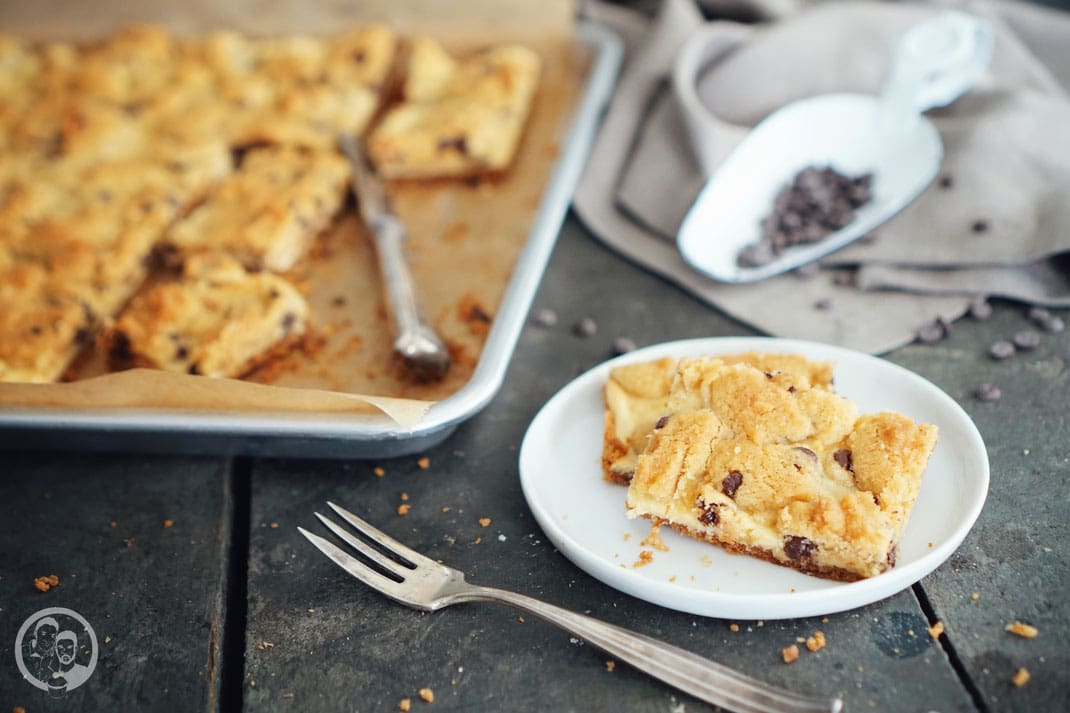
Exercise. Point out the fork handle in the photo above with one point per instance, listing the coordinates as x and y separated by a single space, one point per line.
688 672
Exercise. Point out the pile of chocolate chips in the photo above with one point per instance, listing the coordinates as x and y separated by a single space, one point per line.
818 202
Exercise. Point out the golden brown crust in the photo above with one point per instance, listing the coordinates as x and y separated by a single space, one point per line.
806 567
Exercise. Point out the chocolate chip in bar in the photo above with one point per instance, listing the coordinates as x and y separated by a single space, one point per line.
731 483
798 547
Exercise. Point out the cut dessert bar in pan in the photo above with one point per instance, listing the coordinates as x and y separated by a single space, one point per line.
267 212
459 117
218 321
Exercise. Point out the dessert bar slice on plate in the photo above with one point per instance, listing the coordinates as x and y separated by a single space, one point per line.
752 462
219 320
459 117
636 396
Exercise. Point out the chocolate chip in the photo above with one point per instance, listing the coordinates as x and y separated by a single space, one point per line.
478 314
623 345
585 327
165 256
661 422
946 181
756 255
980 309
731 483
987 392
1027 340
1001 350
194 369
1047 321
817 202
83 336
791 389
1053 325
979 226
1038 315
544 317
458 143
288 321
797 548
121 351
844 458
181 353
843 279
807 452
931 332
708 513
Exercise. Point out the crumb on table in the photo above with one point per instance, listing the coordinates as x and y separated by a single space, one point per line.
816 642
790 654
426 694
1021 677
1026 631
43 584
404 508
424 463
405 704
611 664
936 629
484 522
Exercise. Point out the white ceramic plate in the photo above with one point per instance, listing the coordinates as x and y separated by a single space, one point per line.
560 472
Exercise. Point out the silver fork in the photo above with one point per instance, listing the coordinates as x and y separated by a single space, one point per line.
417 581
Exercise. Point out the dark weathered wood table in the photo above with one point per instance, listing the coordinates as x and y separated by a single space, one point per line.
230 608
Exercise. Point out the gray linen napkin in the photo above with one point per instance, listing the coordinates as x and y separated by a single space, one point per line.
1007 155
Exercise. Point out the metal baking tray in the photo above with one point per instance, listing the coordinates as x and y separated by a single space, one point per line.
313 435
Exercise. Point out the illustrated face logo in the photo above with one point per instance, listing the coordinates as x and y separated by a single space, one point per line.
56 650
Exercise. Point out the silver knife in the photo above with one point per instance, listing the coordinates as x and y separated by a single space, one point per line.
420 349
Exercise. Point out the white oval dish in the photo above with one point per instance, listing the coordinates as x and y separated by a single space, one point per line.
560 473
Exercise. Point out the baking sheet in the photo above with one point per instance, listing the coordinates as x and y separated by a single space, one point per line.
458 306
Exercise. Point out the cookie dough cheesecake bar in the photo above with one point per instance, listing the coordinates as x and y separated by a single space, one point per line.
765 464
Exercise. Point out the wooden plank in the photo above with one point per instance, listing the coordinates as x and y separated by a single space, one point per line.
138 545
1013 565
320 640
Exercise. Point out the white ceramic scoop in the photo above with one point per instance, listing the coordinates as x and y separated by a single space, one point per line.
935 62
